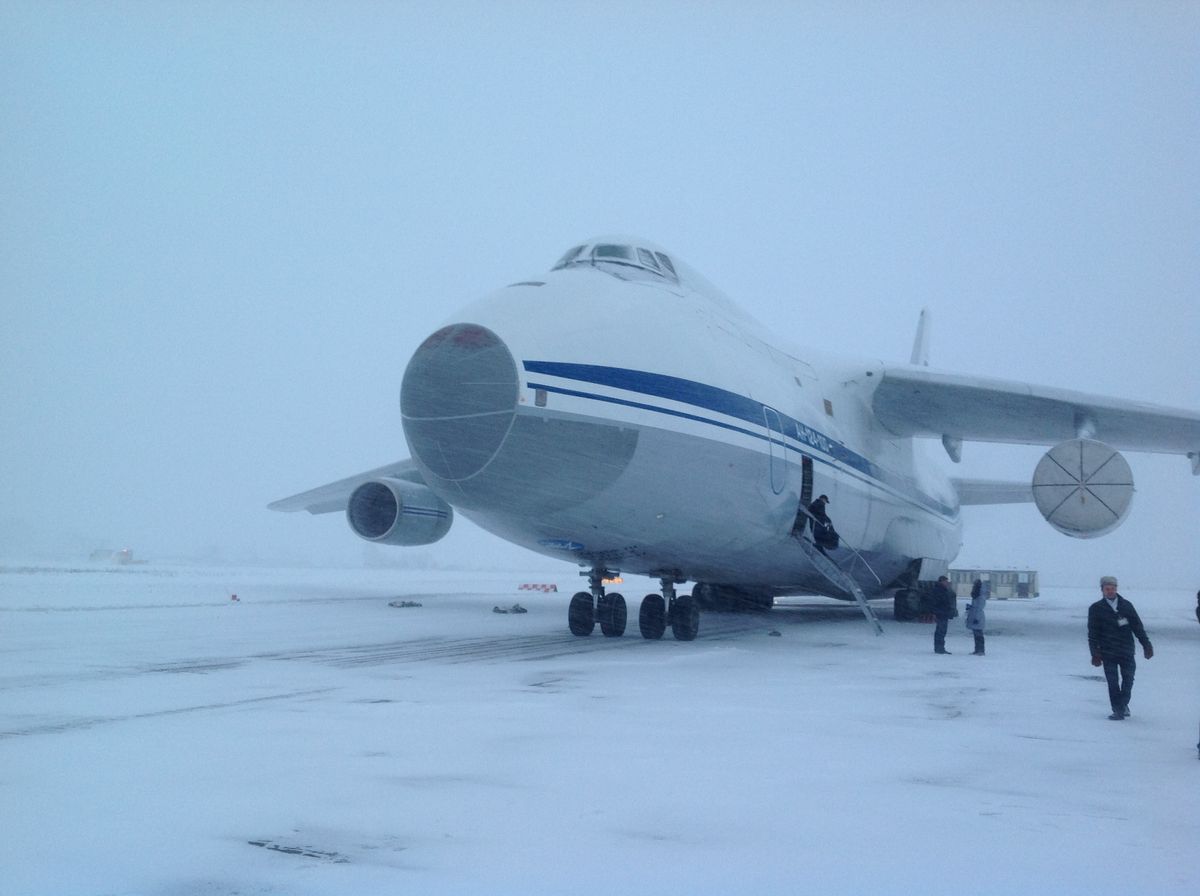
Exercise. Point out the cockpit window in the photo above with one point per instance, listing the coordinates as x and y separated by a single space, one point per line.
632 259
604 251
569 257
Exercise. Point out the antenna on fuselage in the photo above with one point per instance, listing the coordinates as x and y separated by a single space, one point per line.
920 352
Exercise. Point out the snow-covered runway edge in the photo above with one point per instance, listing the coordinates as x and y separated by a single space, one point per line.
158 737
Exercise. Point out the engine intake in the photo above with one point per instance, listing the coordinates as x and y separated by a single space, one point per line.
1083 488
393 511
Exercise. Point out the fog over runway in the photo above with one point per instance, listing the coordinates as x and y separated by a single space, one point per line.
157 737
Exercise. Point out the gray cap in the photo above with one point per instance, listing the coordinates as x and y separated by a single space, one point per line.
1108 580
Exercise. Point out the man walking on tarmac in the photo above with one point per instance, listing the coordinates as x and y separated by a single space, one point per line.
1113 623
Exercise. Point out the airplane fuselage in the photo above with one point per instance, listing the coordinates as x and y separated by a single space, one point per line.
629 422
622 414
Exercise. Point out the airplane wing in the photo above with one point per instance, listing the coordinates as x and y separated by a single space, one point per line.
916 401
334 496
992 491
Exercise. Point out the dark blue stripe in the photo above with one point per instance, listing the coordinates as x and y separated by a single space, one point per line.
675 388
645 407
722 401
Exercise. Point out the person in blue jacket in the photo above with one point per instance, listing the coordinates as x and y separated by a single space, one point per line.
1113 623
975 617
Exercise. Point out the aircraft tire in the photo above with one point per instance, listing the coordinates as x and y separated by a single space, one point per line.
580 616
685 618
902 607
652 617
613 615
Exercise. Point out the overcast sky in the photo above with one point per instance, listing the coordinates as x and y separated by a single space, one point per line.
226 226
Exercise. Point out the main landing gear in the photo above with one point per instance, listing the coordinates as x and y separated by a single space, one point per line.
657 611
592 606
681 612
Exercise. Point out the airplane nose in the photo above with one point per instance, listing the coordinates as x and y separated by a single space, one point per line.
458 399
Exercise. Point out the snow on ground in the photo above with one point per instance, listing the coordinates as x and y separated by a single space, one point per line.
157 737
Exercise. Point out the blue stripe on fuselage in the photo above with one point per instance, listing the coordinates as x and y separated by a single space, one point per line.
721 401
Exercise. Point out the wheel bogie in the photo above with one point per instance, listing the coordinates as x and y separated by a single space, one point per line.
908 604
657 611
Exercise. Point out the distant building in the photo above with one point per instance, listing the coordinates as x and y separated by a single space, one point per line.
108 555
1004 583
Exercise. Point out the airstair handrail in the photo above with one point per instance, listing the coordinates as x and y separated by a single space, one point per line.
837 576
859 557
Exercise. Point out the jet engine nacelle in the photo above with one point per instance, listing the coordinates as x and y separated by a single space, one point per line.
393 511
1083 488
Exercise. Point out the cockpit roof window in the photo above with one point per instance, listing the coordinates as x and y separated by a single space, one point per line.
630 259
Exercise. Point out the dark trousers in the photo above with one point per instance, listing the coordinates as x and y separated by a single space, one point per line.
939 635
979 642
1119 688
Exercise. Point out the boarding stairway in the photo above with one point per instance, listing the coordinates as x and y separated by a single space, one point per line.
837 576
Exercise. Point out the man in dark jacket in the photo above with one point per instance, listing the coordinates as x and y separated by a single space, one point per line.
824 535
945 608
1113 623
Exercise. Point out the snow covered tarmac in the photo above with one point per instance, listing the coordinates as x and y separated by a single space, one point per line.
158 738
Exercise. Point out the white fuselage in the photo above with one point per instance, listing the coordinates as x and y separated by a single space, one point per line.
654 430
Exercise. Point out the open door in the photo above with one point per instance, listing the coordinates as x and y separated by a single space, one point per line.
806 490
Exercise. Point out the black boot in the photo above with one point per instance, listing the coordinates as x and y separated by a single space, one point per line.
978 645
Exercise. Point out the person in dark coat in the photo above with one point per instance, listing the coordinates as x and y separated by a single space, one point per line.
824 535
1113 623
975 617
945 608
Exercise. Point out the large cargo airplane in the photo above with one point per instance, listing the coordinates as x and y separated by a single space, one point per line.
622 414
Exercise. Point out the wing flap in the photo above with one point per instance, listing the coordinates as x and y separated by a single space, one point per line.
912 401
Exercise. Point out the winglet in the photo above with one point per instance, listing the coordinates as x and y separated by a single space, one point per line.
920 352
